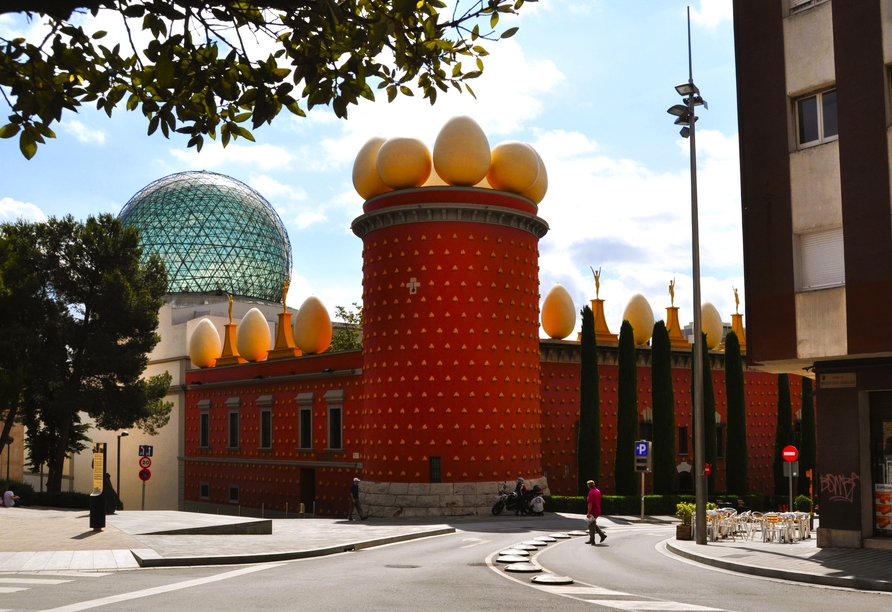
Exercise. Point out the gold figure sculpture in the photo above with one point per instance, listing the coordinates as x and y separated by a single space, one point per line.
597 281
672 292
284 295
736 301
230 309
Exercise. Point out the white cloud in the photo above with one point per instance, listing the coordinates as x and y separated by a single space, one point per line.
304 220
83 133
712 13
12 210
274 190
263 156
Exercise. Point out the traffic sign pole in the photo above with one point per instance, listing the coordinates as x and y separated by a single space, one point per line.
790 454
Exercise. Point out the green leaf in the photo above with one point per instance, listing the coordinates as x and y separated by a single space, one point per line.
509 33
27 144
9 130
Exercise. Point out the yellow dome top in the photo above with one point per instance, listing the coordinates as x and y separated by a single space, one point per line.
514 167
461 152
253 336
640 316
403 162
204 345
558 313
365 170
312 327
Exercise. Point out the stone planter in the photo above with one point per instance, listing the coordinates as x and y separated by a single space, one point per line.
684 532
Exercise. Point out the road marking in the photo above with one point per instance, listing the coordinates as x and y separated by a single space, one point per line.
571 590
105 601
12 589
31 581
477 542
650 605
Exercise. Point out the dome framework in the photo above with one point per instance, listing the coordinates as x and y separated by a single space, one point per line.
213 233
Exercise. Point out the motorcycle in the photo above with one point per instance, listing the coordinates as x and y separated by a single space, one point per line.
508 500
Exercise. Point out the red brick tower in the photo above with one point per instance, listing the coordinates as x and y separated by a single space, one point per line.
450 346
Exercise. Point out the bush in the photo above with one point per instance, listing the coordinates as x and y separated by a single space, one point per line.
24 490
802 503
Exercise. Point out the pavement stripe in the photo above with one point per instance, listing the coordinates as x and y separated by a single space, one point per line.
105 601
651 605
31 581
570 590
13 589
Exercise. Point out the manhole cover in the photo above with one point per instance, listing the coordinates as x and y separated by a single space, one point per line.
551 579
512 559
515 551
560 536
527 568
403 566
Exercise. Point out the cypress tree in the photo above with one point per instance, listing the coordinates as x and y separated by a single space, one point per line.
664 456
807 454
708 414
736 452
588 434
627 413
784 432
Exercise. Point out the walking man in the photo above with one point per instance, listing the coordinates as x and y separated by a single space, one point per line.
354 501
594 511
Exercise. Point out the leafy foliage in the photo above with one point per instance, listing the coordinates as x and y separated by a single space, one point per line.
348 336
664 457
736 453
207 69
627 412
588 434
783 433
709 426
90 354
808 443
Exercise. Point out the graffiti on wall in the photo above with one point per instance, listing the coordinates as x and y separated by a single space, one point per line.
839 486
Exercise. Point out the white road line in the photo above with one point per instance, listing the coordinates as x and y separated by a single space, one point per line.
13 589
105 601
651 605
477 542
31 581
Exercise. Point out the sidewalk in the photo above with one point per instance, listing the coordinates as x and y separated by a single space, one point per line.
857 568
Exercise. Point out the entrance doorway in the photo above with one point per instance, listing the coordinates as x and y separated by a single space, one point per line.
308 489
881 461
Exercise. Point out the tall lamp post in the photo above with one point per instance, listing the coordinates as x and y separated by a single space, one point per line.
123 434
686 118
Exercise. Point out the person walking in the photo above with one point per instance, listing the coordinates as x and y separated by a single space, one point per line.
354 502
594 511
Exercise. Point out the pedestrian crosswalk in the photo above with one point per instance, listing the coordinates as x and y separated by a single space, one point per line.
16 583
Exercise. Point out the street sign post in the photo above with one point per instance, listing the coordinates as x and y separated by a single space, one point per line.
643 464
145 462
145 450
144 475
790 454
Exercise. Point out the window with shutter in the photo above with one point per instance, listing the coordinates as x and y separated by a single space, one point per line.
821 260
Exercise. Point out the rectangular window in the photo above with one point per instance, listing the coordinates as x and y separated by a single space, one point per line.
720 441
233 494
306 428
797 6
821 261
233 430
682 440
436 470
204 490
335 428
816 118
266 429
204 430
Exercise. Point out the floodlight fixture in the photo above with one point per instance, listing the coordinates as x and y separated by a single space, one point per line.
678 110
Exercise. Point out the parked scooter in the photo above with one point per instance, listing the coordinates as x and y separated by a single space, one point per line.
509 500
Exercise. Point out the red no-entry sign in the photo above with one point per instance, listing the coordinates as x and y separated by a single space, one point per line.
790 453
707 469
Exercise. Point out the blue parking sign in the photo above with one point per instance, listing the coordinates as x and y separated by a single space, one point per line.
641 449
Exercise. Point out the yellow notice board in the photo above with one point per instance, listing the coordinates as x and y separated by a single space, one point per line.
98 467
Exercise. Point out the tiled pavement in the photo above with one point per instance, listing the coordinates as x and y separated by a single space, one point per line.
35 539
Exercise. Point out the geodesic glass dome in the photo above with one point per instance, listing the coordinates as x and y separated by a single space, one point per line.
213 233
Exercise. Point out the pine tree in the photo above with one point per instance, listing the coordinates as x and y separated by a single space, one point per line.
627 413
710 450
736 453
663 447
807 454
784 433
588 434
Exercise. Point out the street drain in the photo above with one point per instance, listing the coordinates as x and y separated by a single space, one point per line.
476 564
403 566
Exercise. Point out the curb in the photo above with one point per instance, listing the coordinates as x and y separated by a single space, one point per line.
149 558
862 584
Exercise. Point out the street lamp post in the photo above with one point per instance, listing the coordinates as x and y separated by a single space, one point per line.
687 119
123 434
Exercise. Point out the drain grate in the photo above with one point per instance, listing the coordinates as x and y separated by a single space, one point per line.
476 564
403 566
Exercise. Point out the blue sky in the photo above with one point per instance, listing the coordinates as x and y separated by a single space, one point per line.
586 82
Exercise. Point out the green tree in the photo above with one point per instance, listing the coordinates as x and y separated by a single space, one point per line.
95 348
209 67
807 444
709 425
664 456
347 337
627 412
736 451
783 433
588 434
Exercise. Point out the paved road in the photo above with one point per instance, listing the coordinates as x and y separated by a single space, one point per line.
454 571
